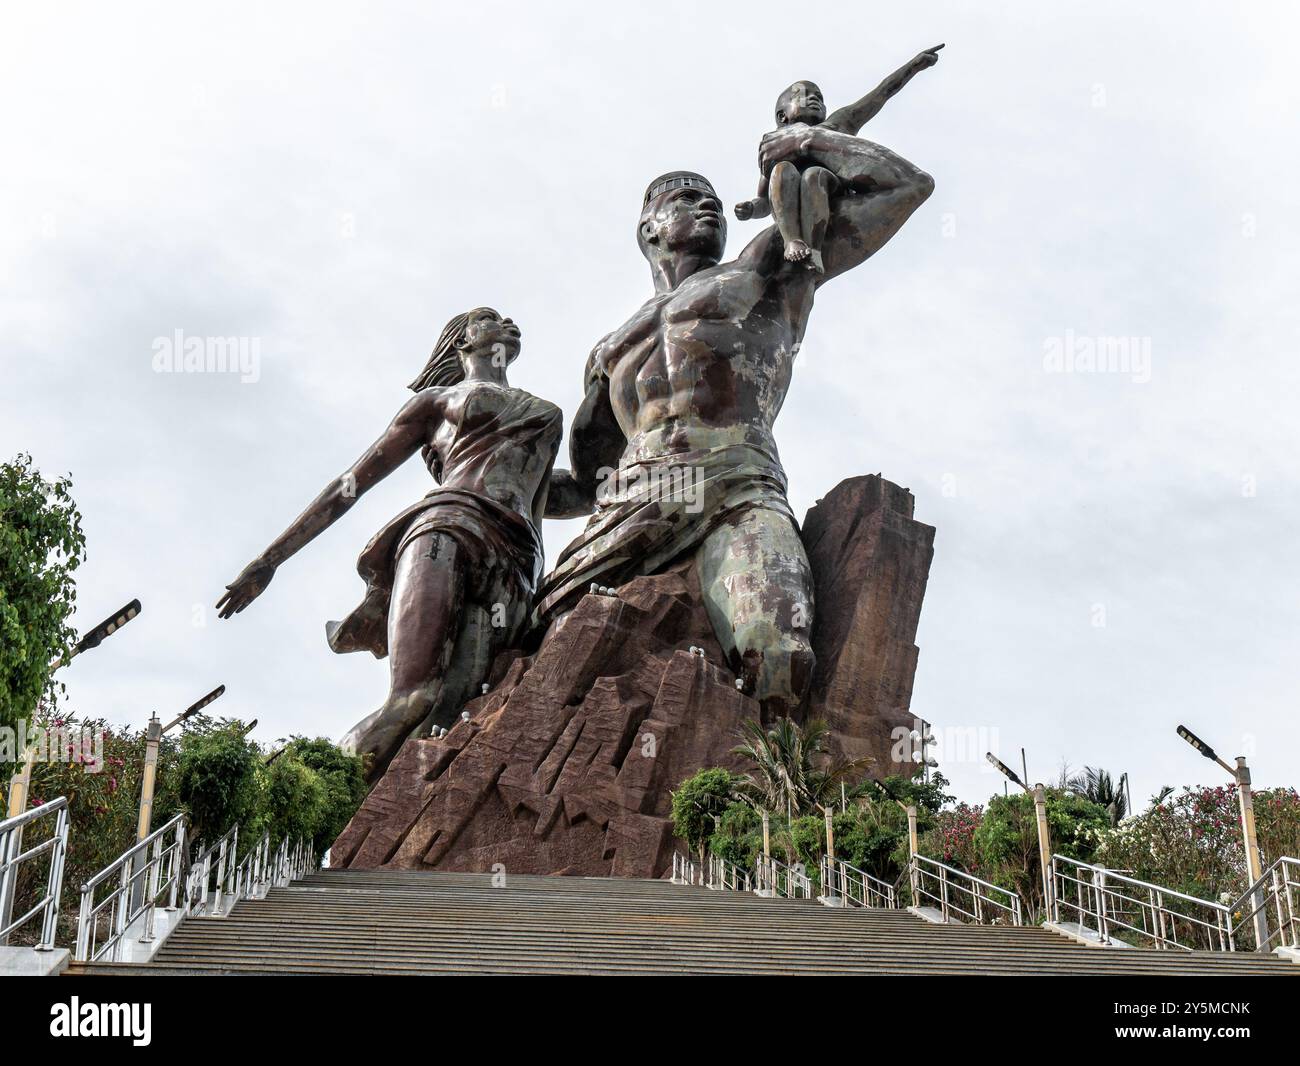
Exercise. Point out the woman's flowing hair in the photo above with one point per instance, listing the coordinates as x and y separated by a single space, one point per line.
444 366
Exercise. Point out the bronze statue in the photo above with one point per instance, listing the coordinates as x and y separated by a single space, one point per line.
685 393
799 199
450 580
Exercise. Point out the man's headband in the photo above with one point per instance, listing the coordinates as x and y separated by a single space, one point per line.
678 179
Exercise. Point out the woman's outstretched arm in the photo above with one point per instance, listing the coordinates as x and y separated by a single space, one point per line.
403 438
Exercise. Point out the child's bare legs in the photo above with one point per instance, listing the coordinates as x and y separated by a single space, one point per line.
815 185
784 192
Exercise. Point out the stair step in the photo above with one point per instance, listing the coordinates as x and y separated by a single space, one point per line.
411 922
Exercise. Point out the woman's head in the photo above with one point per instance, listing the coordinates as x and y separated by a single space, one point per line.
478 336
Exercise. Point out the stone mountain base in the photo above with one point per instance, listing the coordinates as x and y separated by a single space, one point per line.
567 764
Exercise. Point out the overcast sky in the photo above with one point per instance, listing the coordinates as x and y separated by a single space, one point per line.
1115 550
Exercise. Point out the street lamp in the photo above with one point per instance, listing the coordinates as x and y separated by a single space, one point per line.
1040 814
20 783
1005 769
106 628
924 738
1254 866
153 737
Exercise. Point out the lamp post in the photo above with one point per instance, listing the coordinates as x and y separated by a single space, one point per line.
21 783
913 847
153 738
149 778
1044 833
1245 802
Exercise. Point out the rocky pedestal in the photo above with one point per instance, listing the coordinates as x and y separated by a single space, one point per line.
870 559
566 765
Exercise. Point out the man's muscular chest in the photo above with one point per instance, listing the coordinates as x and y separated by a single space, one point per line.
691 312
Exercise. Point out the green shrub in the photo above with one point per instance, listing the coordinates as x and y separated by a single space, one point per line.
294 800
1007 839
698 802
217 778
738 835
870 837
343 776
41 545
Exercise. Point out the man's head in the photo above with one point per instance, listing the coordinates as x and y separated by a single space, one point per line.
681 215
801 102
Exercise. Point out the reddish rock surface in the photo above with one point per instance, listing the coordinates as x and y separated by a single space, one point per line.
566 765
870 559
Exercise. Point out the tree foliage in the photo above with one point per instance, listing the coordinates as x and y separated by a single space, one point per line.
343 778
793 775
1007 839
41 546
1097 785
698 802
217 778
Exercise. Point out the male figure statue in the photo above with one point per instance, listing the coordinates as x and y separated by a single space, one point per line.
685 394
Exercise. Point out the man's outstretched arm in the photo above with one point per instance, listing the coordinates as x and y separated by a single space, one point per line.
881 189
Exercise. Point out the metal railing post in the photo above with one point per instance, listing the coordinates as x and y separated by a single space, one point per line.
1290 907
10 846
54 883
913 849
1103 927
149 902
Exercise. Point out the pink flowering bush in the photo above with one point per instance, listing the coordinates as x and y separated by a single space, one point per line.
952 837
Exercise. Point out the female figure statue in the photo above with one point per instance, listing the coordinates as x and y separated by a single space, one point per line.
450 580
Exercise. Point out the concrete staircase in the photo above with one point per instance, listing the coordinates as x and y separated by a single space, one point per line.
397 922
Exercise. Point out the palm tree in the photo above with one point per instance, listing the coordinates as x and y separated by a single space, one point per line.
792 771
1097 785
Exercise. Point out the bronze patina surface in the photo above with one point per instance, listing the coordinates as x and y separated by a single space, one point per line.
449 581
672 450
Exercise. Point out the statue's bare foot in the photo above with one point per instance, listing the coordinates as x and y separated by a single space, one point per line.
797 251
815 261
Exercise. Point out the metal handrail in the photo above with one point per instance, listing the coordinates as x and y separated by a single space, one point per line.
144 872
781 880
714 872
840 878
250 878
12 856
216 882
204 894
1115 900
726 875
978 891
1281 883
683 869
